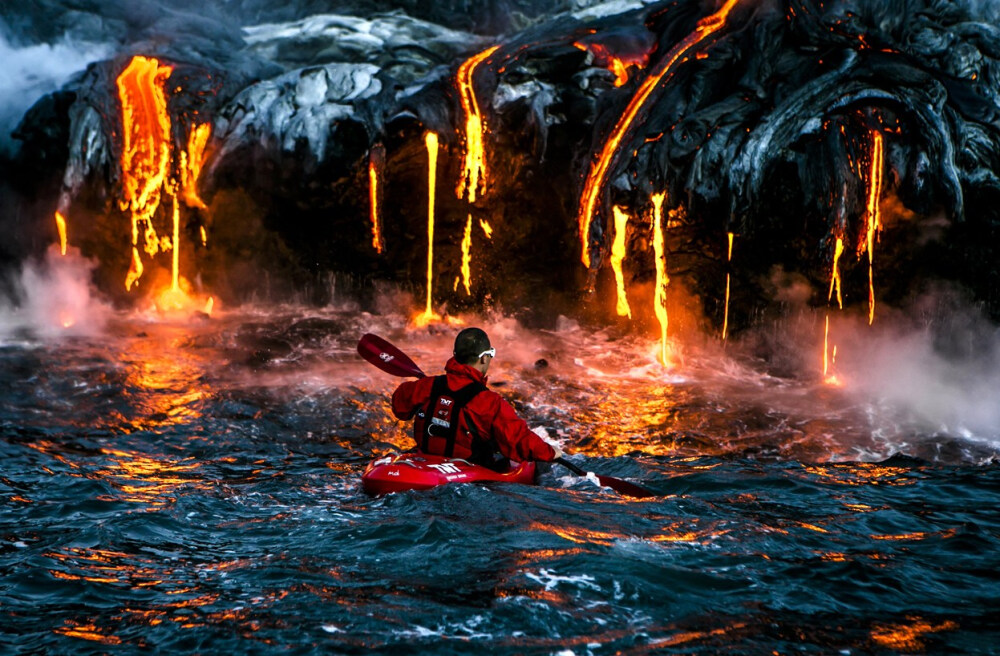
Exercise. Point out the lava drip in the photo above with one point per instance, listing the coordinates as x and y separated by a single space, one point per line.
466 258
61 227
617 257
662 279
873 220
725 316
431 141
376 164
146 151
474 172
835 282
609 152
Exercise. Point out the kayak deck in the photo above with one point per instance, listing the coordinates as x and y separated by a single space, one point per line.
420 471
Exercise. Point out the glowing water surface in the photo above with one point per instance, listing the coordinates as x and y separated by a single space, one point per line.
191 485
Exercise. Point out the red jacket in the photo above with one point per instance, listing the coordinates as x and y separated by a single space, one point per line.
493 417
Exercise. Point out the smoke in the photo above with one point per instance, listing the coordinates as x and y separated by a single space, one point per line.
53 298
29 73
933 369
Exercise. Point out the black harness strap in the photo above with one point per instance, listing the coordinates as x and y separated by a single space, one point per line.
440 417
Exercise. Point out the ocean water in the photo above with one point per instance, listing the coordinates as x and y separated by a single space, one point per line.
191 485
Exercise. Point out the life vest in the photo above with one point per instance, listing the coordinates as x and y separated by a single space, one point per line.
440 428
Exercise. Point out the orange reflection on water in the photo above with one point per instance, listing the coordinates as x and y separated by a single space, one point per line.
907 637
87 632
678 533
579 534
862 473
146 479
690 636
917 535
104 566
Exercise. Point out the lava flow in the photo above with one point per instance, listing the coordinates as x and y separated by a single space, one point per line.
618 64
599 170
873 221
431 140
474 174
725 316
146 151
662 279
61 227
617 257
376 162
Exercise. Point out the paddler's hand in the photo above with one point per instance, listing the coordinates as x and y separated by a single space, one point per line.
544 435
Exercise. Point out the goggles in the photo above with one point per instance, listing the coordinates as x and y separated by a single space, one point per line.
492 352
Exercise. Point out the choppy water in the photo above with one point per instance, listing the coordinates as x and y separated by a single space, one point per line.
193 487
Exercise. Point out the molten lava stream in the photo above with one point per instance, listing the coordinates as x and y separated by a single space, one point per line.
599 170
662 279
835 273
467 257
617 257
376 161
725 315
474 171
61 227
146 150
873 217
431 141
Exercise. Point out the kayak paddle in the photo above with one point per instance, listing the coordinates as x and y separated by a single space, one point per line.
387 357
618 485
391 360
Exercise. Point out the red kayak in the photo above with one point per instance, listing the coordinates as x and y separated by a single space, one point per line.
419 471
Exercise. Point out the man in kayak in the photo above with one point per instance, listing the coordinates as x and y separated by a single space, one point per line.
455 415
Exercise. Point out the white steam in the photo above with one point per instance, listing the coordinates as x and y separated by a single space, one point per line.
29 73
53 298
941 376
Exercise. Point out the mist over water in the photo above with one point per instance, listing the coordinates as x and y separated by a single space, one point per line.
30 72
53 298
174 480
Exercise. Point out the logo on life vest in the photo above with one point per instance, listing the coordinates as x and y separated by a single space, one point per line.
446 468
446 401
386 357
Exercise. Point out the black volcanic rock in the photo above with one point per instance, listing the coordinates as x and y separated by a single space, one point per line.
763 128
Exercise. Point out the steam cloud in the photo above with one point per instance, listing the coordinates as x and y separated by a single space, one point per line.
31 72
53 298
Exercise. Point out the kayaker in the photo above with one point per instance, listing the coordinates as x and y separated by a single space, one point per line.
455 415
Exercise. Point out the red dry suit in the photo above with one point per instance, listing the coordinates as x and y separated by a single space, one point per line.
485 425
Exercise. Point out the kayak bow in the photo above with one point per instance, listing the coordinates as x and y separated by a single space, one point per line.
419 471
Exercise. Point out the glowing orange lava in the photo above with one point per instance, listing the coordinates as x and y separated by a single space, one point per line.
599 170
191 163
474 173
662 280
487 230
467 257
146 151
431 140
375 162
725 316
617 64
617 257
873 217
61 227
835 273
829 359
135 270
